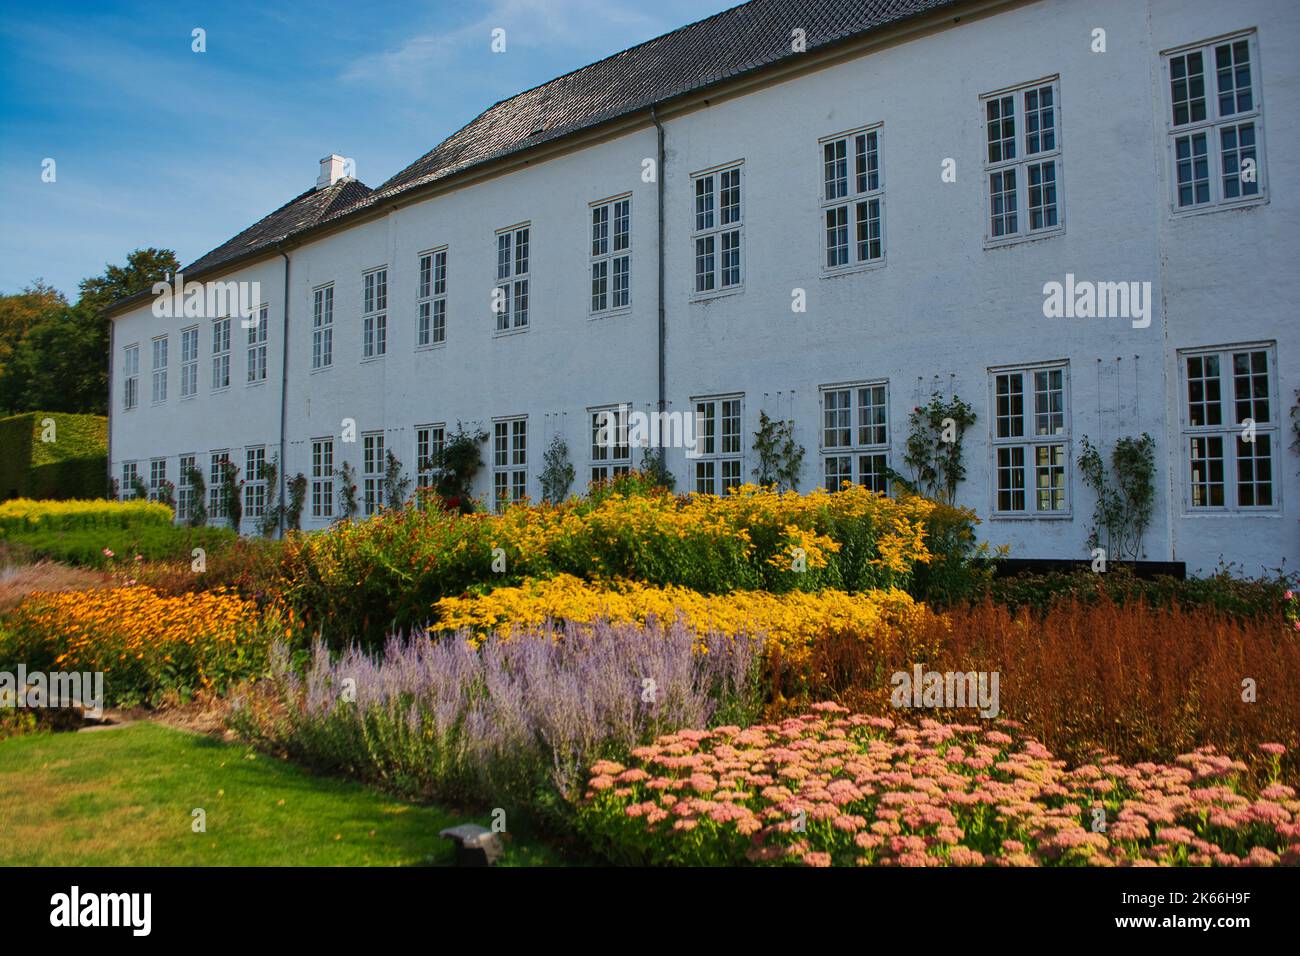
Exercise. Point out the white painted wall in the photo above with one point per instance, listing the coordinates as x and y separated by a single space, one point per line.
941 312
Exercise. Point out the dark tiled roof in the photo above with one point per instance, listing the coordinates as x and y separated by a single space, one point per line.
726 45
303 212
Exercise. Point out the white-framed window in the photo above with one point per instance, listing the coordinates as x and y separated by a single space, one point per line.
372 472
853 200
611 453
1031 440
130 376
1230 427
157 475
184 486
322 327
510 301
130 474
221 353
216 472
374 313
431 299
322 478
718 230
257 335
1022 162
509 460
855 435
255 482
1215 124
189 362
611 255
720 446
159 383
428 445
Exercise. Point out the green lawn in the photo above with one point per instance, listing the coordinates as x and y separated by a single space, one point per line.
125 796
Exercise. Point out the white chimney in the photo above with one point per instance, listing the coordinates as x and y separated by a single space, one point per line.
331 170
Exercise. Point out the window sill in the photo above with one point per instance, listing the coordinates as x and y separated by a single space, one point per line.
503 333
370 360
1233 513
717 294
1190 212
609 313
854 269
431 347
258 384
1003 242
323 368
1046 516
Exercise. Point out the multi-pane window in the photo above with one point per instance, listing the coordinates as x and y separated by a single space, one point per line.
509 461
184 488
216 477
719 445
131 376
611 255
254 482
157 475
1031 440
1230 428
322 327
852 200
431 300
374 313
189 362
130 475
160 369
1215 128
428 446
855 436
1022 161
257 333
717 231
322 478
611 453
510 298
372 472
221 353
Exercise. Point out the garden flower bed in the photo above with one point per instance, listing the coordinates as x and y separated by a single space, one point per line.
832 787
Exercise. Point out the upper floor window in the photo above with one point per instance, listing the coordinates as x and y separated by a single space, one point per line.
1031 440
510 298
852 200
1230 428
1022 162
719 445
189 362
431 300
374 314
257 334
221 353
611 255
509 461
718 230
322 327
611 453
160 369
130 376
1215 125
855 436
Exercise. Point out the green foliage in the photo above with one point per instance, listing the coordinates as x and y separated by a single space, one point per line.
231 492
72 465
396 485
269 523
347 490
1125 499
455 465
198 513
655 468
557 473
297 499
934 448
780 459
960 567
85 547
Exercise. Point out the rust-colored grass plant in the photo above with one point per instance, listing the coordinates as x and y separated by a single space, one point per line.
1144 683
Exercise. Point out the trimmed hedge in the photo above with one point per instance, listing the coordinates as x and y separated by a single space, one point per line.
73 465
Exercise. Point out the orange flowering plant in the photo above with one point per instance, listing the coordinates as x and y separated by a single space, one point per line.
145 643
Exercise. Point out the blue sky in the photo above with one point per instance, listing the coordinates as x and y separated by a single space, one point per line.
156 145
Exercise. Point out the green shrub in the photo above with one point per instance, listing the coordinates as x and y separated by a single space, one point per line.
73 464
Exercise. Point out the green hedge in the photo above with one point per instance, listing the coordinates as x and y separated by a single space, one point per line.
73 465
